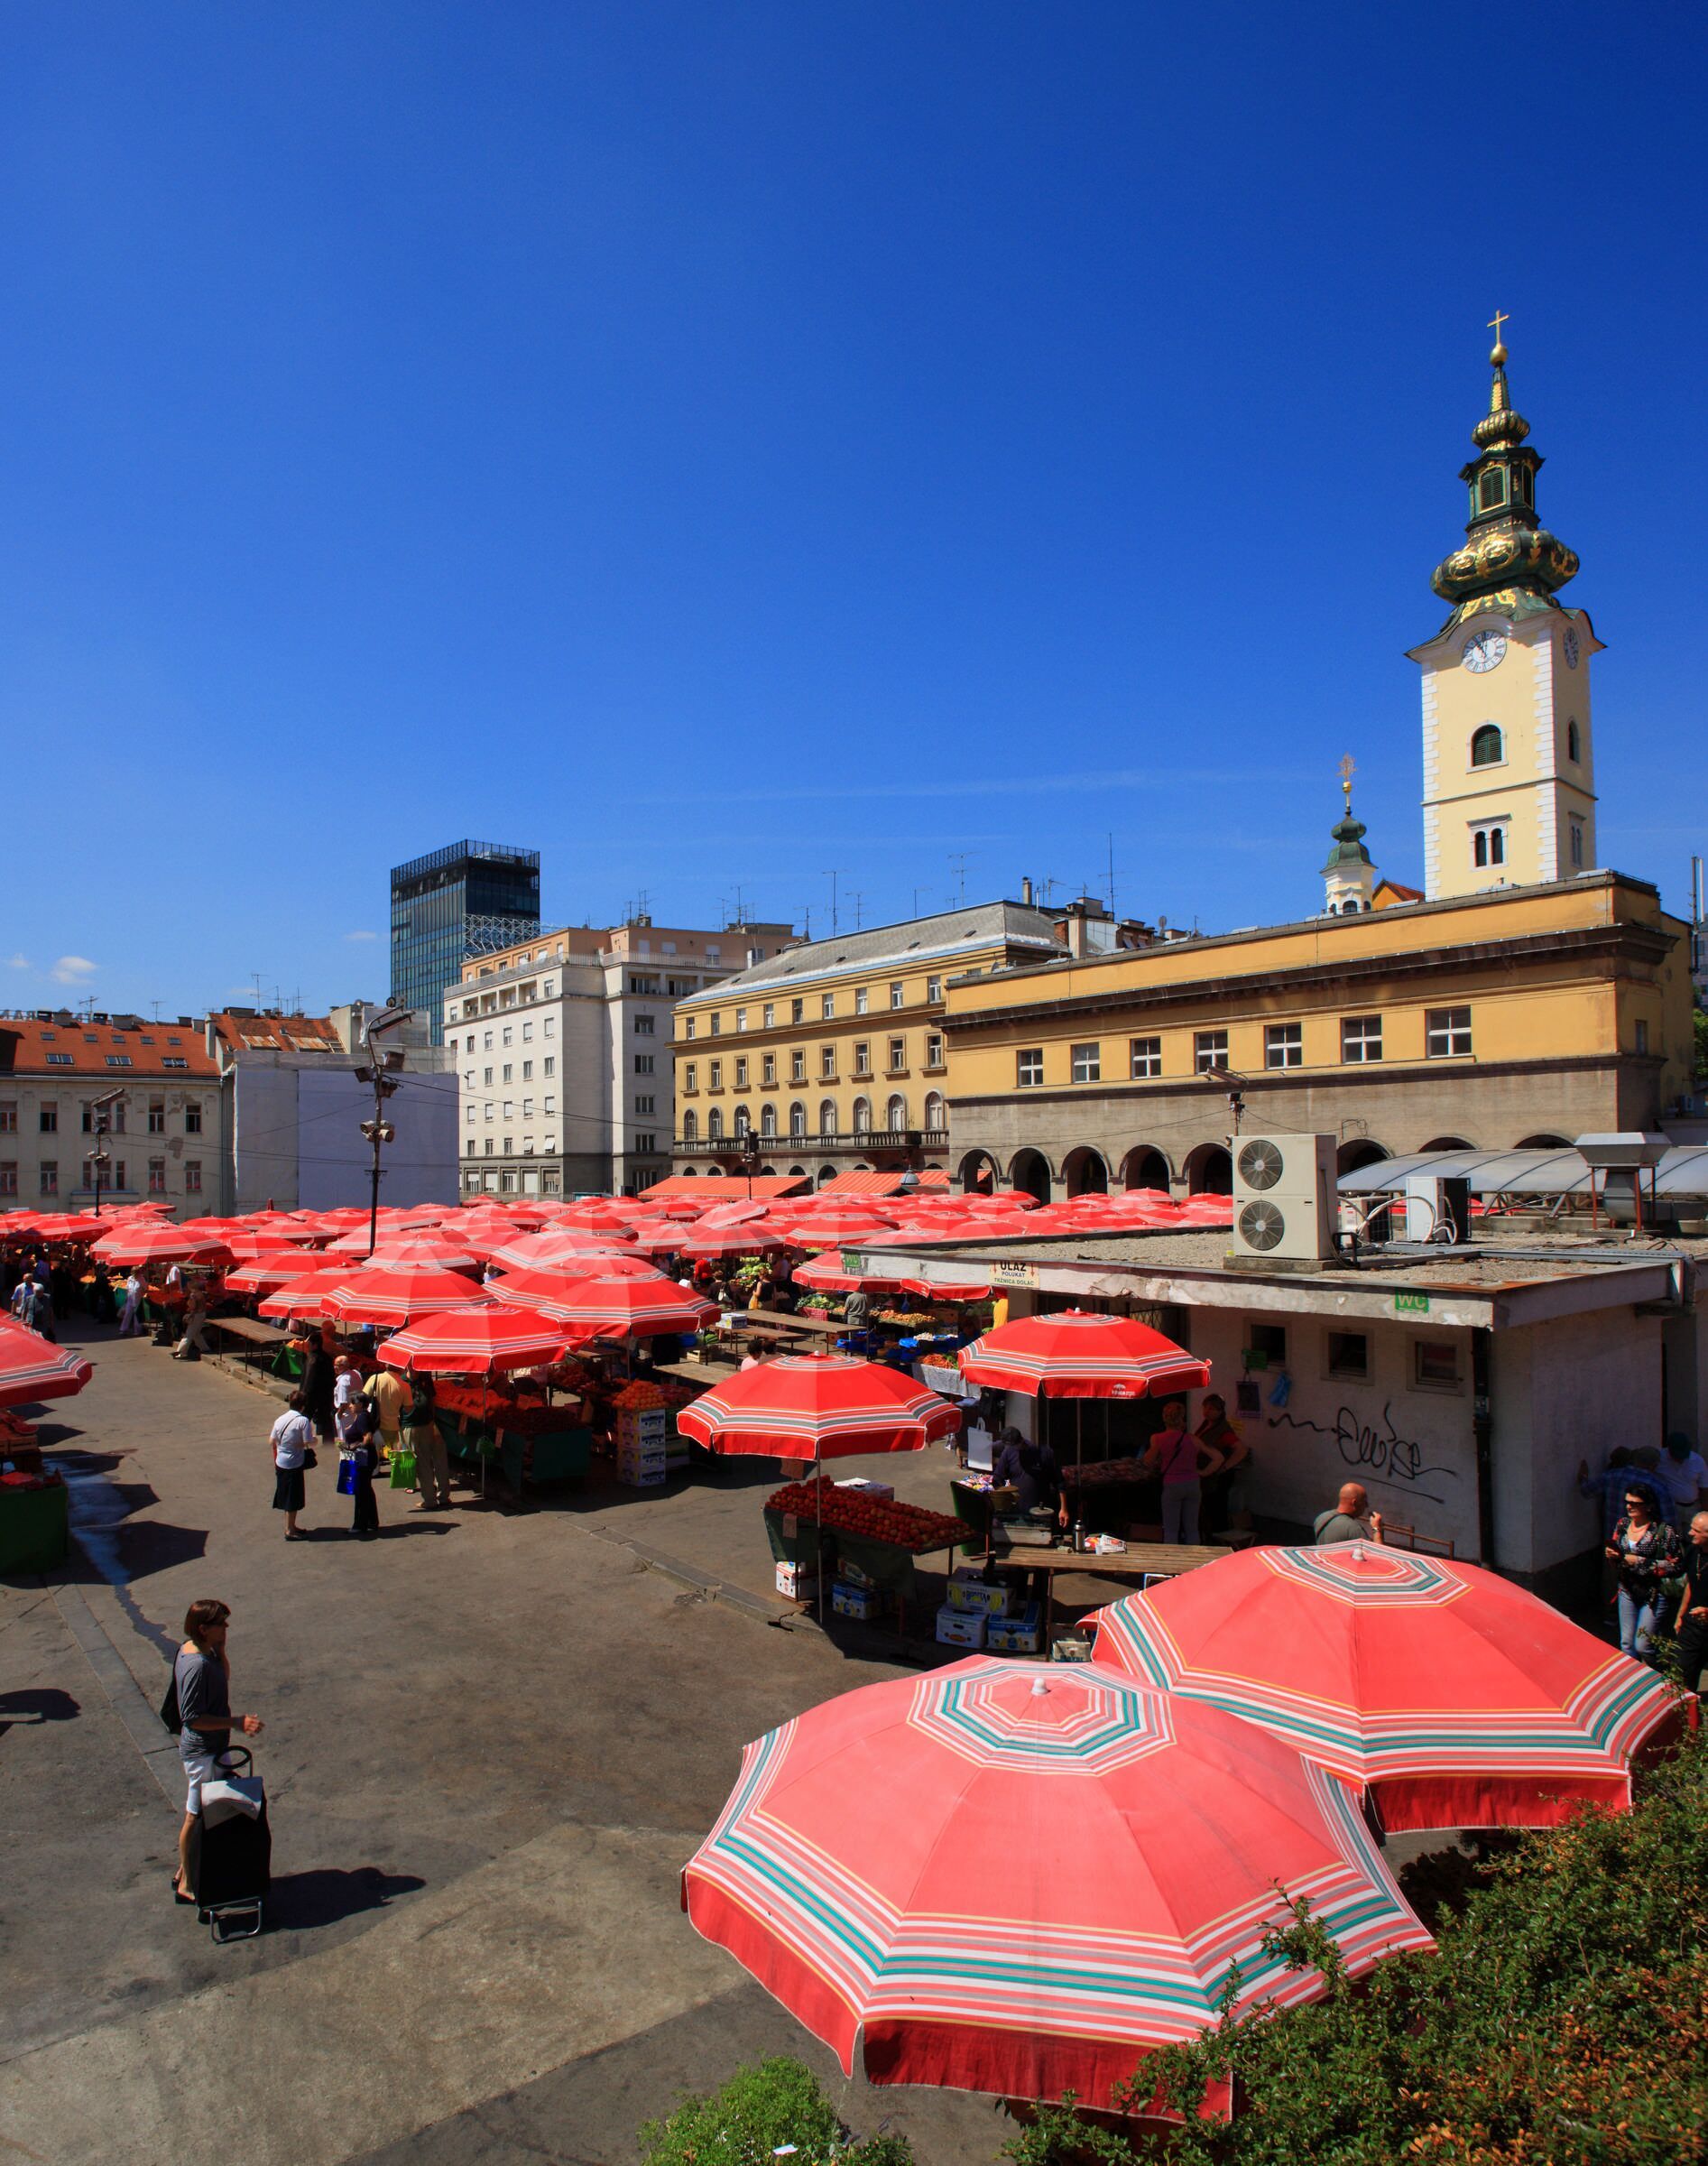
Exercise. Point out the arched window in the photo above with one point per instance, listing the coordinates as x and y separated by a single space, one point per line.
744 1121
690 1127
863 1117
715 1124
828 1117
935 1113
768 1120
1488 846
1573 742
1488 749
895 1118
797 1120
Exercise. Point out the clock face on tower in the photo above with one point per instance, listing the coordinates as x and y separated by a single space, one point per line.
1568 646
1484 650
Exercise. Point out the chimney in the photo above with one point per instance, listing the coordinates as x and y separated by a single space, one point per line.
1026 891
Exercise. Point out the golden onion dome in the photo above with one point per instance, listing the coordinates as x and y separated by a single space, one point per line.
1505 556
1501 424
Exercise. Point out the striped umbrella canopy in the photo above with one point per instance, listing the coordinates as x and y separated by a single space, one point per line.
303 1296
595 1214
1076 1355
32 1369
825 1274
475 1342
384 1293
63 1226
723 1241
248 1247
818 1406
156 1244
1460 1700
551 1250
17 1225
273 1268
624 1307
398 1247
1003 1877
549 1292
618 1264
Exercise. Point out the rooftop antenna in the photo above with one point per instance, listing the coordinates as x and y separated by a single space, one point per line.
255 975
957 860
859 897
1112 873
1046 889
155 1006
836 923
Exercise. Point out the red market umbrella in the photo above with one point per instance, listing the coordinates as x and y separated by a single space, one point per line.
612 1266
248 1247
825 1274
382 1293
422 1248
303 1296
276 1267
66 1227
1458 1699
817 1406
1010 1878
552 1250
627 1308
723 1241
141 1244
1076 1355
475 1342
595 1214
31 1369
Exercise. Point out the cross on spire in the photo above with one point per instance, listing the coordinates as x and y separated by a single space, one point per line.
1499 317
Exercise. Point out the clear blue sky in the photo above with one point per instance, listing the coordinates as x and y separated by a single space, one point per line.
718 443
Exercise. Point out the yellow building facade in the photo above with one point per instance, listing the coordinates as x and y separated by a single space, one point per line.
831 1055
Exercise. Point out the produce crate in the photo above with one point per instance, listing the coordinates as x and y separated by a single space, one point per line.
961 1627
970 1590
1020 1635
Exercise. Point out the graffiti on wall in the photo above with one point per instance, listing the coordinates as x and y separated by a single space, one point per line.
1375 1451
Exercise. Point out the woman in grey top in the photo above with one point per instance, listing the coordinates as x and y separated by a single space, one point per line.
203 1678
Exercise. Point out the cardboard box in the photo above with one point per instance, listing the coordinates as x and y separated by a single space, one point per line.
799 1581
853 1601
961 1627
1022 1633
1071 1650
970 1590
879 1492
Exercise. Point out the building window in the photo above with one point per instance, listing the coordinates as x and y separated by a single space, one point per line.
863 1117
768 1120
861 1000
643 1142
60 1060
826 1005
936 1114
1145 1056
527 1071
49 1120
1574 742
509 1071
1028 1068
827 1117
1446 1032
644 1026
690 1075
509 1036
897 1054
797 1065
1283 1045
486 1041
1489 846
934 1048
192 1120
114 1060
486 1076
897 996
50 1176
527 1034
768 1069
8 1176
1435 1365
1642 1034
740 1019
1575 840
1491 488
934 988
157 1176
548 1027
489 1143
717 1025
174 1060
827 1062
551 1104
741 1073
8 1116
1087 1063
548 1065
687 1026
1488 747
509 1109
192 1177
797 1011
714 1075
1209 1049
690 1127
770 1014
897 1115
643 1064
527 1109
1348 1356
715 1126
797 1120
863 1059
509 1146
1360 1038
744 1121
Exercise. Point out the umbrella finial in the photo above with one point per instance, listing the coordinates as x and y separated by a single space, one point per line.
1039 1688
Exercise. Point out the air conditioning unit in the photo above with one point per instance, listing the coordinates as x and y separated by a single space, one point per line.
1285 1196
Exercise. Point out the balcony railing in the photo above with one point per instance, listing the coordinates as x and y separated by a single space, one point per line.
852 1139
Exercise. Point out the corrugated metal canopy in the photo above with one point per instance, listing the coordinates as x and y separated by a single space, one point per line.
1682 1172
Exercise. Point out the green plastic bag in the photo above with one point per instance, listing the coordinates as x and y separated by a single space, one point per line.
402 1470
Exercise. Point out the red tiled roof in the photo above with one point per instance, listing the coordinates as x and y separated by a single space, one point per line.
884 1184
721 1187
99 1049
277 1033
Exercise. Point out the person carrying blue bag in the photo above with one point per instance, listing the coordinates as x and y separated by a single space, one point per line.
359 1449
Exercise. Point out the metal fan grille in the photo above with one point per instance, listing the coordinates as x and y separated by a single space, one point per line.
1259 1164
1261 1226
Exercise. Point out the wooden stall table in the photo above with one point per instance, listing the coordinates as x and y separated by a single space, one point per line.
255 1340
811 1326
1140 1562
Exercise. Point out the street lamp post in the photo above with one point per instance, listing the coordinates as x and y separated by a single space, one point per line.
99 1127
380 1069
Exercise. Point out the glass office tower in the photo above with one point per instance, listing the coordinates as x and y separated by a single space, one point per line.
467 899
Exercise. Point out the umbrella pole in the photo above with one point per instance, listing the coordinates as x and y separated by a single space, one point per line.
818 1514
1079 1464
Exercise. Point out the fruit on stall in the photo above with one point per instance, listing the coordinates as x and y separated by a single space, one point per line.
874 1519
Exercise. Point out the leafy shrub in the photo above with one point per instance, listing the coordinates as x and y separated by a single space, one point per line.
1562 2020
756 2112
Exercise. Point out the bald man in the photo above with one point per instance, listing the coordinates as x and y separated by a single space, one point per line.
1351 1519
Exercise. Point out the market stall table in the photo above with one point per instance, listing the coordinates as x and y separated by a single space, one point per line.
1140 1562
256 1341
881 1539
531 1441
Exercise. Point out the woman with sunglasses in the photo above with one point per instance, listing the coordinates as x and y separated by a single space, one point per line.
1644 1550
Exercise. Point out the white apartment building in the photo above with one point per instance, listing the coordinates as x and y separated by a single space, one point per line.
562 1046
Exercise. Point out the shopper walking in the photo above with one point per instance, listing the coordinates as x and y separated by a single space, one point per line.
130 1322
358 1449
1645 1550
1181 1459
201 1680
385 1388
317 1385
421 1436
291 1443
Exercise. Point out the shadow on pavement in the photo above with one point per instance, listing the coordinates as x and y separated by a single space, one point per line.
36 1704
301 1900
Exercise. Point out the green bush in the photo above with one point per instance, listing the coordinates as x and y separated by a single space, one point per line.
1562 2021
757 2111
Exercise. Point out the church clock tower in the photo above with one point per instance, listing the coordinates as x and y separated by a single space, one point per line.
1508 781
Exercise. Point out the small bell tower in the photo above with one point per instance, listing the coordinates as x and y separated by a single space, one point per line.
1349 878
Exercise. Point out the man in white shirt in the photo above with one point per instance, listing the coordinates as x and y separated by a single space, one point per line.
1684 1471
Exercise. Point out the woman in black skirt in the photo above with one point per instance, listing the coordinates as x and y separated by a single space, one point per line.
291 1441
358 1418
